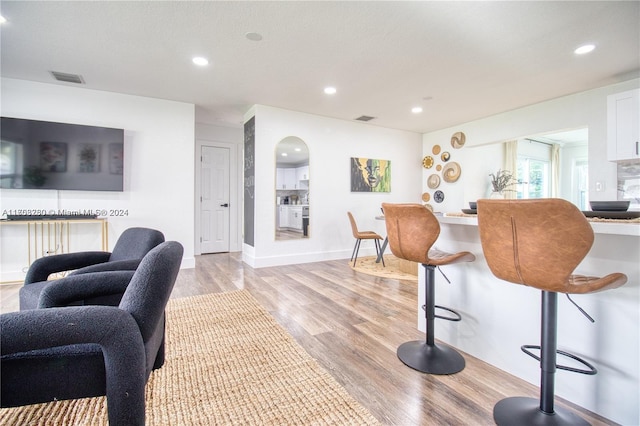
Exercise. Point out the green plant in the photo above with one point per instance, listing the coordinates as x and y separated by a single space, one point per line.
501 180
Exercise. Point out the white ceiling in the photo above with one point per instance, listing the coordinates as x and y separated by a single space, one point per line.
459 60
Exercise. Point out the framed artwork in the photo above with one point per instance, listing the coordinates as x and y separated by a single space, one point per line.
89 156
53 157
368 175
116 158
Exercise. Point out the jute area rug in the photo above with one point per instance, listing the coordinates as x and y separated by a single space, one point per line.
397 269
228 363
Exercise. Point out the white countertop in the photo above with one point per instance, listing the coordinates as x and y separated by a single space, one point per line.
599 227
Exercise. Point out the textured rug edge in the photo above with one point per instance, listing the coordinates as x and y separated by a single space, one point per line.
90 411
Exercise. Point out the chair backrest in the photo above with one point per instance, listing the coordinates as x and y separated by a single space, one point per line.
354 227
135 243
537 243
412 230
149 289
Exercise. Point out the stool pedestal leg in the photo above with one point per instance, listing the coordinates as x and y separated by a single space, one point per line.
427 356
529 411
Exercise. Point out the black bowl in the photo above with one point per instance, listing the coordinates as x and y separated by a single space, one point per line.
473 205
609 206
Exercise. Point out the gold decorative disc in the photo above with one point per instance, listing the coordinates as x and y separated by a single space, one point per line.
427 162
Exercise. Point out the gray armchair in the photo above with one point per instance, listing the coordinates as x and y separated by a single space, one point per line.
85 351
131 247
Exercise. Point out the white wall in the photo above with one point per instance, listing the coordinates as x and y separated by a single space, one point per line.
159 158
585 109
331 145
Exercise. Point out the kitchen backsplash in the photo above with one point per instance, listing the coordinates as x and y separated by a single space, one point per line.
629 182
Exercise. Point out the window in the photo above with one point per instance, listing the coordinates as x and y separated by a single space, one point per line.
533 178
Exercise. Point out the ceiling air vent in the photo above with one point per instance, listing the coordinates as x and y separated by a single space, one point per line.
67 78
365 118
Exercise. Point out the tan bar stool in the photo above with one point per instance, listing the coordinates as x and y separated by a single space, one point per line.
539 243
412 230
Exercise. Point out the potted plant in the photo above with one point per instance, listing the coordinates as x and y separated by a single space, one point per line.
500 182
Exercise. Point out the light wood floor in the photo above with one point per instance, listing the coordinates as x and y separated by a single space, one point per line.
352 323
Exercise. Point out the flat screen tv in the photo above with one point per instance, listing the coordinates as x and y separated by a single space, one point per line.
62 156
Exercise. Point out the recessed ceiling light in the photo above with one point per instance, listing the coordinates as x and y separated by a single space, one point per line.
284 154
330 90
2 19
199 60
416 110
584 49
253 36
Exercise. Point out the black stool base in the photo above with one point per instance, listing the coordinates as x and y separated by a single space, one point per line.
433 359
526 411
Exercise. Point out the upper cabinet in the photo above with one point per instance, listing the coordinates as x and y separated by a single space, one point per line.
286 178
302 173
623 125
292 178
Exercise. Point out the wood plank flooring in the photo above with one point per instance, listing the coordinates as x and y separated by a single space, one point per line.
352 323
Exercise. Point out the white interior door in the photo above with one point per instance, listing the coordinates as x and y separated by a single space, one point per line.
214 199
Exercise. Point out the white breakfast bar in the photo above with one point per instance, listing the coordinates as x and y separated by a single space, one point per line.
499 317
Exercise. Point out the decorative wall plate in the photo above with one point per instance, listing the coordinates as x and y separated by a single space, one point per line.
426 197
435 150
439 167
438 196
433 181
451 172
458 139
428 206
445 156
427 162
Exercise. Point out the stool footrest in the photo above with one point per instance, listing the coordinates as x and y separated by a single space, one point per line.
590 371
456 317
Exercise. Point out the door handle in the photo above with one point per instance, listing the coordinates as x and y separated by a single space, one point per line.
224 205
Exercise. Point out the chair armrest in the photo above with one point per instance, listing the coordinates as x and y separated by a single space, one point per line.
114 265
67 290
113 329
41 268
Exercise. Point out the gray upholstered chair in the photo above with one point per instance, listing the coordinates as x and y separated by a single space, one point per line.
86 351
538 244
131 247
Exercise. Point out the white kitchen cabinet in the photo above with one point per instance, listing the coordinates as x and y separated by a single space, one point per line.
302 176
623 125
302 173
286 178
283 216
295 217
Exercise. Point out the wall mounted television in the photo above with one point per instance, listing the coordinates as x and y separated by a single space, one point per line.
61 156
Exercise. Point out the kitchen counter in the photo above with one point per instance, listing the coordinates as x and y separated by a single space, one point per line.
629 227
499 317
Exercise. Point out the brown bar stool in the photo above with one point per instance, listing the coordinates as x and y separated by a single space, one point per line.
539 243
412 230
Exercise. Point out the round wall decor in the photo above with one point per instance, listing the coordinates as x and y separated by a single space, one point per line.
433 181
451 172
438 196
427 162
435 150
426 197
445 156
458 139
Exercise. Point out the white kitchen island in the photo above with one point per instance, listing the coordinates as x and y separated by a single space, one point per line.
499 317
